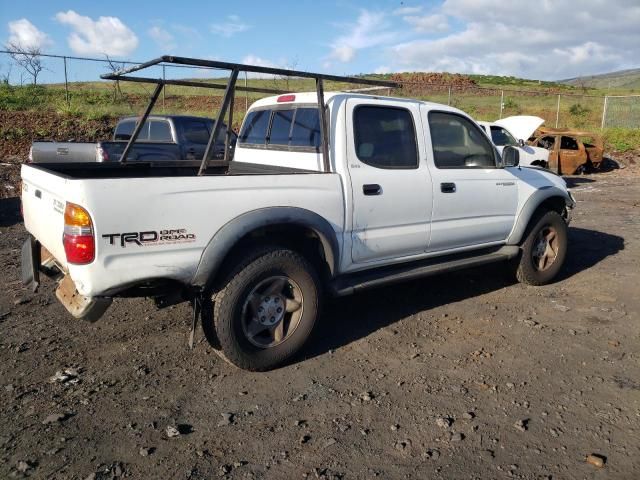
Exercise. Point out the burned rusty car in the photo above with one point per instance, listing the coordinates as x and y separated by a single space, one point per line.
570 151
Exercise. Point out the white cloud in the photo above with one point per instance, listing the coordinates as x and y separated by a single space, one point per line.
230 27
370 29
546 40
25 34
163 38
343 53
107 35
428 23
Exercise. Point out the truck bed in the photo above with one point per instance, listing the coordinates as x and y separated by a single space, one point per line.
122 199
93 170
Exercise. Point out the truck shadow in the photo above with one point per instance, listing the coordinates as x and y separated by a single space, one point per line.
10 211
348 319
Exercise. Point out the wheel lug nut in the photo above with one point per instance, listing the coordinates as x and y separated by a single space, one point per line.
279 310
266 299
273 319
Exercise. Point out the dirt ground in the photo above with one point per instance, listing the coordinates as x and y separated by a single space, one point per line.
466 375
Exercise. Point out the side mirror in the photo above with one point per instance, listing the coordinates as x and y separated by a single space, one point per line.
521 143
510 157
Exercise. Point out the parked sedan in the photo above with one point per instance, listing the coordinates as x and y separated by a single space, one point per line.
513 131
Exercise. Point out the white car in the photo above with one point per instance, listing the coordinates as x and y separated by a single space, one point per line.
515 131
398 189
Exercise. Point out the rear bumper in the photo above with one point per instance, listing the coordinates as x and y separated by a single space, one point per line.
86 308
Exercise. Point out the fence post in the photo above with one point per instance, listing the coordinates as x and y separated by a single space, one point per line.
246 94
501 102
66 81
558 111
604 111
164 78
449 100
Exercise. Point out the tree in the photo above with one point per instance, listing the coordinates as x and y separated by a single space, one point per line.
114 67
28 58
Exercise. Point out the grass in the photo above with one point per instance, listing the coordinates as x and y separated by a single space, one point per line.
99 99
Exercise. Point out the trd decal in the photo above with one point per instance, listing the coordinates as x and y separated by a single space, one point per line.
151 237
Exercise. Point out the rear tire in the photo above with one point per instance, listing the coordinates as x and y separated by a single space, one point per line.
544 249
265 310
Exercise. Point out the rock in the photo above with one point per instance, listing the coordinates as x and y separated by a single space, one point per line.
468 415
509 385
66 376
522 425
444 422
403 446
432 454
456 437
367 396
596 460
172 432
227 419
562 308
488 454
329 442
146 451
395 427
304 439
24 466
53 418
225 469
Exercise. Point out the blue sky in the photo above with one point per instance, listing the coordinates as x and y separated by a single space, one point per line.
544 39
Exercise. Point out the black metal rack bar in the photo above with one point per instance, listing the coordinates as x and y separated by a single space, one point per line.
229 93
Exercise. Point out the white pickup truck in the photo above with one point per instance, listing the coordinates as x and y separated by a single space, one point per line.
412 189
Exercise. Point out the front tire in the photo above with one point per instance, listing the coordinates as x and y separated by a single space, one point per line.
544 249
265 310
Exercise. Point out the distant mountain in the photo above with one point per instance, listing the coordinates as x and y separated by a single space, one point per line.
621 79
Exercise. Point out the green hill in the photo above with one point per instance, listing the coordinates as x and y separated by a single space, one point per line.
622 79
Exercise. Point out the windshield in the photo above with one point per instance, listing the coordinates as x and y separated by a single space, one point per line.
502 137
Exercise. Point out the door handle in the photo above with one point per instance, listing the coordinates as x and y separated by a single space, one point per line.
448 187
372 189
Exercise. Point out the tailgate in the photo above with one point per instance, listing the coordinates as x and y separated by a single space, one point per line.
43 203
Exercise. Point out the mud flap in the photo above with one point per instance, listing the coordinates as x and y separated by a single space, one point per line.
31 263
86 308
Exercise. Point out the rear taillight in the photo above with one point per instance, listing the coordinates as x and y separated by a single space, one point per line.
79 244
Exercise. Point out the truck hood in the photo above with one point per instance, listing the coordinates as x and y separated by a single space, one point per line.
521 126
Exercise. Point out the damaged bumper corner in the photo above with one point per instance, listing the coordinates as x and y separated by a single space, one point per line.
86 308
36 259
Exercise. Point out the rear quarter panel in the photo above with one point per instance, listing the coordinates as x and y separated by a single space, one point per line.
197 207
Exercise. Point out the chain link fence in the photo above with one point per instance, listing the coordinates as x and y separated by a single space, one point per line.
73 84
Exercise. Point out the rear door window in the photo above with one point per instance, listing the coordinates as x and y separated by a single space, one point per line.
160 131
568 143
254 130
385 137
125 129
